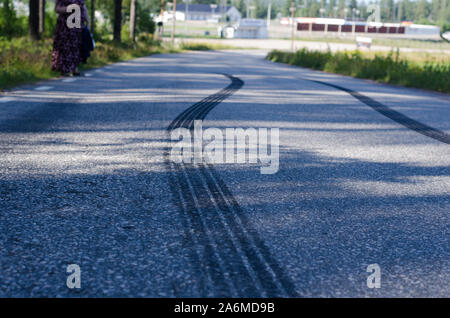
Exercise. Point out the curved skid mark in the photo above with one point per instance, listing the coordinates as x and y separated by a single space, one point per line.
395 115
244 266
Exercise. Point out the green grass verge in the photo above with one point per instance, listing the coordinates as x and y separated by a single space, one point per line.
23 61
390 68
202 46
391 42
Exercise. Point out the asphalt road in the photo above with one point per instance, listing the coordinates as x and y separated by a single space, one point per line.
364 178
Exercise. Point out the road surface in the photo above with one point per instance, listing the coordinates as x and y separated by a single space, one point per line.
363 179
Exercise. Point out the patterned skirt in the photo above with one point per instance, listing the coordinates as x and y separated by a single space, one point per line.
66 55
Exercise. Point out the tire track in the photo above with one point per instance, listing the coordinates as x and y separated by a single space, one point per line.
233 259
394 115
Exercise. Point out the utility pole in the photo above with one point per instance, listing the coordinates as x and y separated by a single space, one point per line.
293 24
174 12
269 11
222 11
248 9
186 13
213 10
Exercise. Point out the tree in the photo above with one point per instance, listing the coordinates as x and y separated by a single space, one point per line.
240 5
342 7
330 9
41 16
286 8
117 20
33 19
422 11
323 5
313 8
144 23
132 20
408 8
92 16
8 19
400 11
391 10
444 17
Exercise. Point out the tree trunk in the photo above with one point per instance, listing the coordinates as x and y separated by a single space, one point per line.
92 16
117 20
133 20
33 19
41 16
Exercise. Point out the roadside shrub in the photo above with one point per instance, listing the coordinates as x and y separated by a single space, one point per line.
199 46
22 60
383 68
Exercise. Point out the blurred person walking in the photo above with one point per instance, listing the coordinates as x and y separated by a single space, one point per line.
67 43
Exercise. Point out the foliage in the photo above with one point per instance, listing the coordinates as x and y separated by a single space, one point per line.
202 46
10 24
389 68
23 61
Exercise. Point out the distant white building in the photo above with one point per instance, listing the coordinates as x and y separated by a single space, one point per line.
421 29
446 36
251 29
227 32
205 12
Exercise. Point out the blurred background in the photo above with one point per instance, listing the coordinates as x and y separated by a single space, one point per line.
417 31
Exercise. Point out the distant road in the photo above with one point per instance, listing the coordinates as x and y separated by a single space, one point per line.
271 44
364 178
